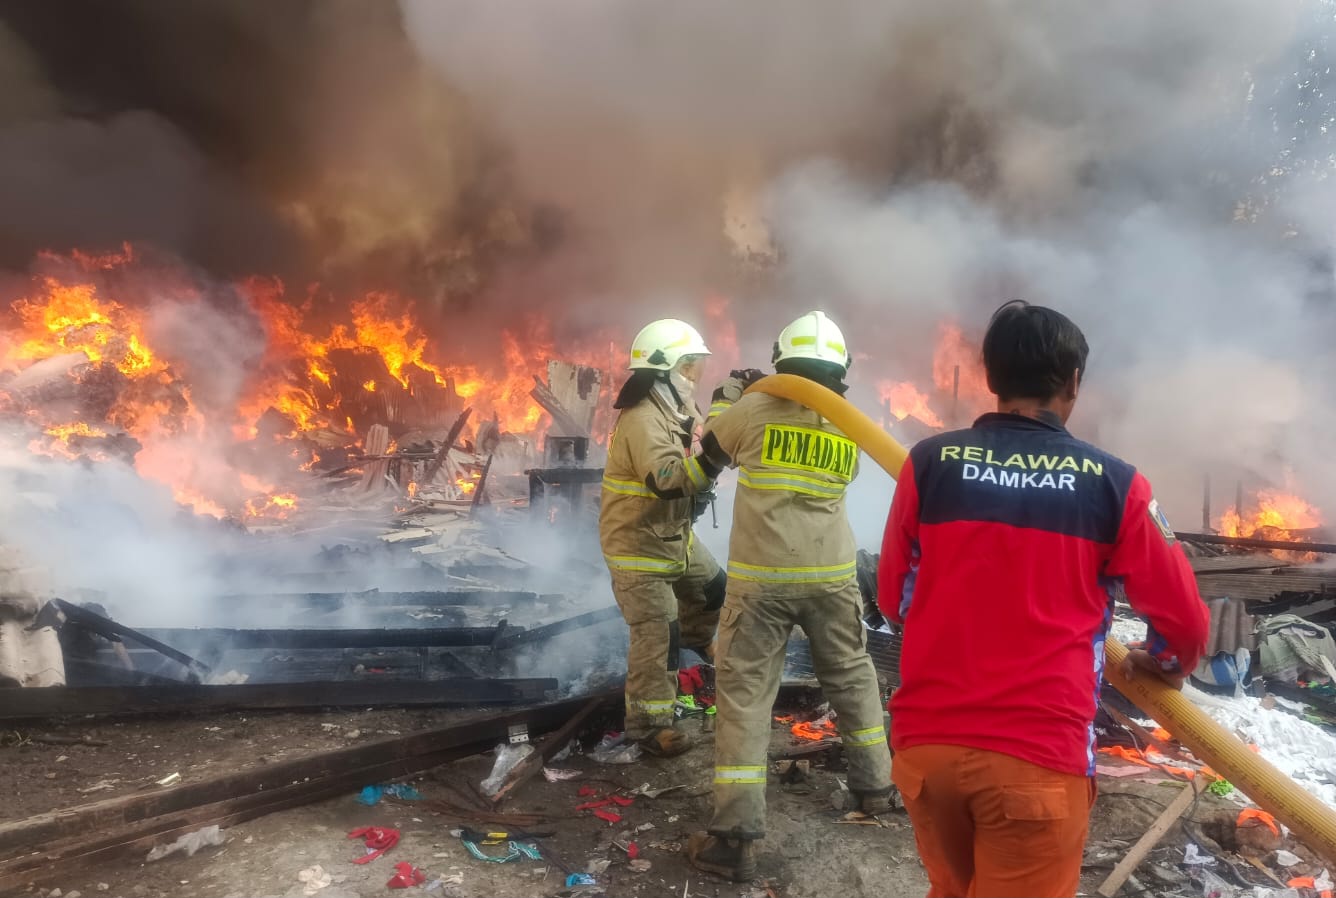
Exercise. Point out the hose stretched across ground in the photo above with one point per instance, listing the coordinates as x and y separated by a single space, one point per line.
1311 820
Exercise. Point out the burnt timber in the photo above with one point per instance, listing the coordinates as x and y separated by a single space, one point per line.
178 698
58 840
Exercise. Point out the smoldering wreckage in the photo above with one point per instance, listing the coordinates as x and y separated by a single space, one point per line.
515 765
397 665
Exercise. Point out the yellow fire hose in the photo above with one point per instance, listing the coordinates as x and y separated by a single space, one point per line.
1311 820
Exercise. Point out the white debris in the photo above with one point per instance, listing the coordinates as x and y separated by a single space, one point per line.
1127 630
1287 859
189 843
315 879
1301 750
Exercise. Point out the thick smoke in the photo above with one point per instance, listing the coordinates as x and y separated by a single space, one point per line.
1150 169
1157 171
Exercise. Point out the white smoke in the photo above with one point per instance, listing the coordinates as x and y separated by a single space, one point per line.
1137 167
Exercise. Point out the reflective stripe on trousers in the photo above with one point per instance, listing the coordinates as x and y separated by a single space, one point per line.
644 564
864 737
740 775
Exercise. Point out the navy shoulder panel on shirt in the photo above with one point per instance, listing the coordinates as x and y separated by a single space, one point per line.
1013 470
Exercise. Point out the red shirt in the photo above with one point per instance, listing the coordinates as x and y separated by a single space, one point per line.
1005 548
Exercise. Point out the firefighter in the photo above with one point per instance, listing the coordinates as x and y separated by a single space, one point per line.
791 560
667 585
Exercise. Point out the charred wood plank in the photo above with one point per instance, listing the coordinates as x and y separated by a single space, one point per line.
580 621
1244 542
52 843
481 486
563 419
423 598
105 626
444 452
297 638
57 701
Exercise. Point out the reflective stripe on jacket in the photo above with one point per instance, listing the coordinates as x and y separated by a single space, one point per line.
790 532
641 532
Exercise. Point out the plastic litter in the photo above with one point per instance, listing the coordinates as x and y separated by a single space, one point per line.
514 851
371 795
314 879
407 876
614 749
1249 814
580 879
1287 858
557 774
189 843
378 840
1194 856
507 756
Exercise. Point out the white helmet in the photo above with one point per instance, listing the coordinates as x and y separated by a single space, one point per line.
813 336
661 344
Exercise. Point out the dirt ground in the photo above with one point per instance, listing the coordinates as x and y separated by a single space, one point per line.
808 851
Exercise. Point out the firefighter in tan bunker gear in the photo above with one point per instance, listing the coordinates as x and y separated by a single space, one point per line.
791 561
667 585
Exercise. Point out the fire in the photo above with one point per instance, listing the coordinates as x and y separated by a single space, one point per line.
904 399
71 318
326 371
959 386
1277 514
277 506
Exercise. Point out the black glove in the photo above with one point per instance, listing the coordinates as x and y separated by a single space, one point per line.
700 502
748 376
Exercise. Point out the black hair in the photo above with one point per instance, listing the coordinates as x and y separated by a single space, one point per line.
636 388
828 374
1031 352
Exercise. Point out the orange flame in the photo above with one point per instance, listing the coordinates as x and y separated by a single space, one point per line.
323 379
1277 514
905 399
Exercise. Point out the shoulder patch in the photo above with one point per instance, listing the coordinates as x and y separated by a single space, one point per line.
1162 522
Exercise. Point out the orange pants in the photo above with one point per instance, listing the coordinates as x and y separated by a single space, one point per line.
991 825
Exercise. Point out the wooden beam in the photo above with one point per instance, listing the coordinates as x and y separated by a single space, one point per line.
430 474
298 638
561 418
1127 866
529 767
302 777
54 701
539 634
1242 542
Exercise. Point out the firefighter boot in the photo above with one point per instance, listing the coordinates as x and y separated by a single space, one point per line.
666 742
881 801
734 859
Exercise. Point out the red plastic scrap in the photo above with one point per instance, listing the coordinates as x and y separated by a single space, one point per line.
590 805
621 800
379 839
407 876
610 816
586 791
632 851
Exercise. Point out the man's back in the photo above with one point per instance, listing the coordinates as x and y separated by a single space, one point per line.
1006 546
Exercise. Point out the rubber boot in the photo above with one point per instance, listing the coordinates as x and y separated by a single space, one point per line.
666 742
733 859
